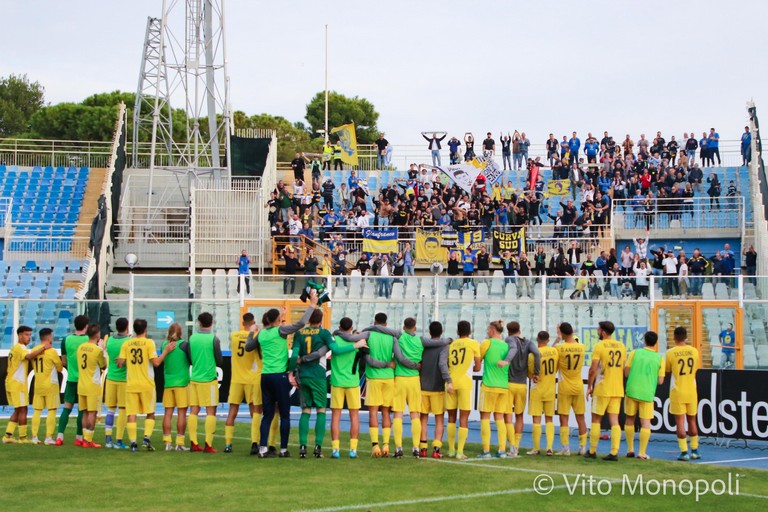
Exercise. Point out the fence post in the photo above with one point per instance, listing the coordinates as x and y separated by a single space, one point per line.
740 281
130 298
15 320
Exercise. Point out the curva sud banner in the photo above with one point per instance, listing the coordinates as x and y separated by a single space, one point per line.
731 404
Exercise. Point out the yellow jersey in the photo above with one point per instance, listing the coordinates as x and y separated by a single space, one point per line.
461 359
610 355
545 388
46 366
683 363
570 361
246 366
18 368
138 353
90 361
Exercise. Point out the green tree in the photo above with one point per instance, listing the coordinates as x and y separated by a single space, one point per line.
290 137
19 100
343 110
71 121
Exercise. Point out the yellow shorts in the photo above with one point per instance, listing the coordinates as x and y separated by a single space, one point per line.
687 408
606 404
88 402
140 402
46 401
432 402
517 396
380 392
176 397
204 394
407 391
494 400
538 407
567 402
460 399
240 392
351 395
633 407
115 394
256 393
17 399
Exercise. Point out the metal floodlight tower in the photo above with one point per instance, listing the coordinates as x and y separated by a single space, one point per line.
184 62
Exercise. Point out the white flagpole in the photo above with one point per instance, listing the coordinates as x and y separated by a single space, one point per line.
326 83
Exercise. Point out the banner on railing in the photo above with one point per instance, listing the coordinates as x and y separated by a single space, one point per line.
558 188
512 241
348 143
430 248
380 240
473 239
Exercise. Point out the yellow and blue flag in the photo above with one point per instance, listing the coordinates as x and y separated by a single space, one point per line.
348 143
380 240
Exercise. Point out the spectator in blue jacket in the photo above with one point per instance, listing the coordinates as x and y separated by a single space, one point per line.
591 148
746 146
574 145
713 143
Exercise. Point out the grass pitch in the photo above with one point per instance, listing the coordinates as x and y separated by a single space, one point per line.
70 478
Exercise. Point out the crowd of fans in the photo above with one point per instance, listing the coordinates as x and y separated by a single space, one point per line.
653 175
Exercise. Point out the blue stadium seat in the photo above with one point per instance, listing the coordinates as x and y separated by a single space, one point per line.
30 266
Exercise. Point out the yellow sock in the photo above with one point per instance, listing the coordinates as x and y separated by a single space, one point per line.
22 431
374 432
398 428
437 443
255 427
11 428
385 434
549 429
565 436
50 423
274 431
451 437
583 439
594 437
463 433
36 422
501 433
131 427
210 429
536 434
485 434
615 439
645 436
167 438
352 444
192 428
149 427
229 432
694 442
335 444
629 433
416 431
423 445
510 433
683 443
179 440
88 435
518 437
120 423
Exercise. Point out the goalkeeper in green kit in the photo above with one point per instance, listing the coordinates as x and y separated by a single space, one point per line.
310 345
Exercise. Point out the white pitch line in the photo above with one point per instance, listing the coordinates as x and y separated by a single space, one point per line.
733 460
436 499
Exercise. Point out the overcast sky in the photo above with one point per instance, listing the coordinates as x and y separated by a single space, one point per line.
438 65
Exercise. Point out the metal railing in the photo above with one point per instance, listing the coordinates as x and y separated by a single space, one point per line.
661 214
